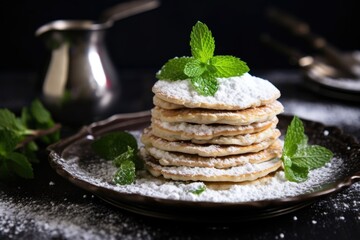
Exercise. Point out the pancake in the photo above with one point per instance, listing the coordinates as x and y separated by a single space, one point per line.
166 158
165 105
247 172
227 185
242 140
188 131
211 150
207 116
234 93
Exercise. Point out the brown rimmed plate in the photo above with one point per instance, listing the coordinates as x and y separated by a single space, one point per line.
343 146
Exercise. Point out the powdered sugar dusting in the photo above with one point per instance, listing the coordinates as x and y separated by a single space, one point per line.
233 160
247 168
99 172
63 219
277 187
240 92
206 129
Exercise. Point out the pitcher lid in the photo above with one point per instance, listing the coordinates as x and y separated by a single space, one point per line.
62 25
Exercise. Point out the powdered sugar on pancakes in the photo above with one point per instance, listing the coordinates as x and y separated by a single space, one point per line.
234 93
247 172
166 158
188 131
212 150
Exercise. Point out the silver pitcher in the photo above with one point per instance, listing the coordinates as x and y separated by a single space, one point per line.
81 84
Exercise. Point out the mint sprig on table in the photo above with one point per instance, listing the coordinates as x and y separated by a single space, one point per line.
19 138
298 157
202 68
121 148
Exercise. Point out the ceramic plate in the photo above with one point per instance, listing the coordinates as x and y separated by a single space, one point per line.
74 160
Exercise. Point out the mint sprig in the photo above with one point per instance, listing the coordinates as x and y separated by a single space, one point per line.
199 190
203 67
298 157
121 148
19 137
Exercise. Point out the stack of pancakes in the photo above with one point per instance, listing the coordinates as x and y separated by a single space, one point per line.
229 137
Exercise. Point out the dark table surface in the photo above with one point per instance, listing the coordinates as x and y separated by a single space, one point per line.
49 207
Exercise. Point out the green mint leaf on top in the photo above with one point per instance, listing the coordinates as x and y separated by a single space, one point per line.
194 68
121 148
174 69
228 66
125 173
113 144
202 42
203 68
298 157
205 85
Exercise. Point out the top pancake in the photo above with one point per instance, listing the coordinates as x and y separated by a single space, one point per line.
234 93
208 116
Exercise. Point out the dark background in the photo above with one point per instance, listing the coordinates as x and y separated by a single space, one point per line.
149 39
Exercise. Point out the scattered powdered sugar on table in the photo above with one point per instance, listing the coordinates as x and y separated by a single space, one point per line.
62 219
242 91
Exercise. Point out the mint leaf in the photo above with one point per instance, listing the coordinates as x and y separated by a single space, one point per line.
17 147
202 42
206 85
39 112
199 190
5 172
293 172
228 66
121 148
38 117
174 69
113 144
125 174
294 137
202 68
9 141
312 156
9 121
194 68
298 157
128 155
29 150
20 165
